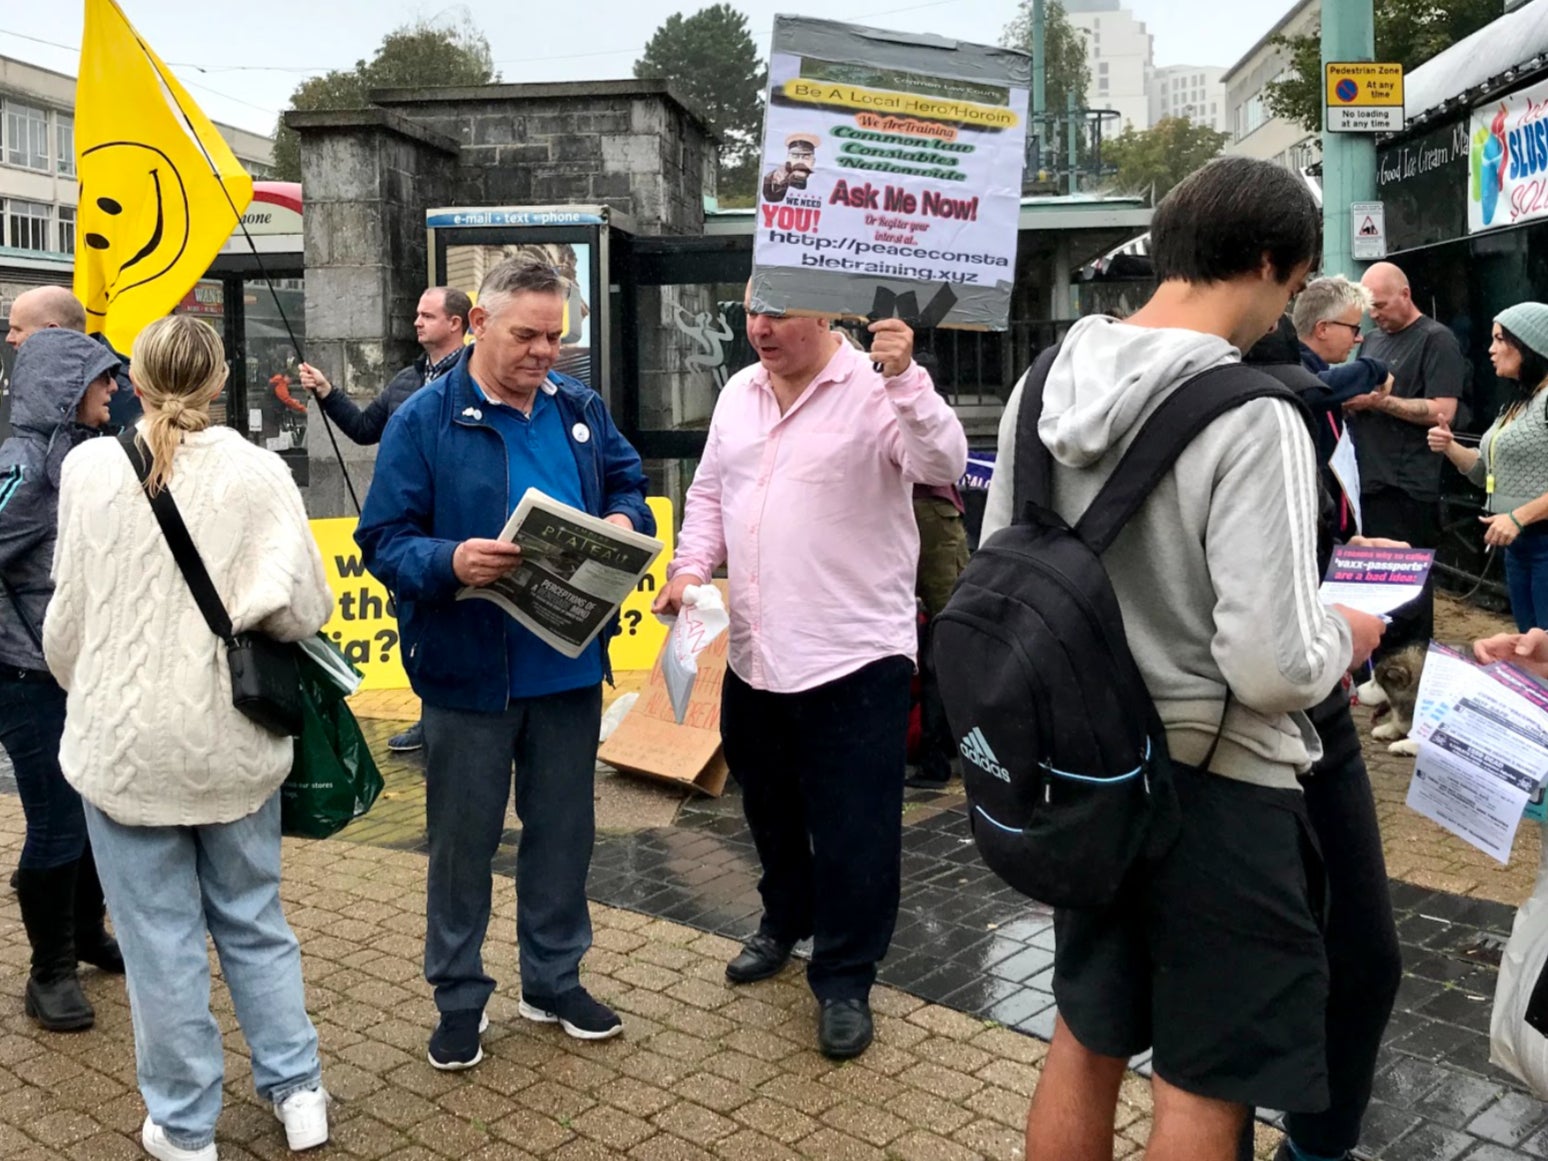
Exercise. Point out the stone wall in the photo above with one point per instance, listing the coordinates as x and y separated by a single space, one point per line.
631 145
366 177
370 175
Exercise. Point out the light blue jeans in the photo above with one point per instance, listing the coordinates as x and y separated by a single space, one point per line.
166 886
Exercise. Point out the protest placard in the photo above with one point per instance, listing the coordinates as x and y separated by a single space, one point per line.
891 176
364 624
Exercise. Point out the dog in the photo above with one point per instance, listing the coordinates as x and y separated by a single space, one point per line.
1393 693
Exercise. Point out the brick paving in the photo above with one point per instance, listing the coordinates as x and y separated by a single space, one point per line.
703 1070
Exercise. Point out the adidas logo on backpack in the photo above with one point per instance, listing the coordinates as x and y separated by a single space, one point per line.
975 748
1031 650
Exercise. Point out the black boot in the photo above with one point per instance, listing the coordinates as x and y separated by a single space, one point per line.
93 944
54 996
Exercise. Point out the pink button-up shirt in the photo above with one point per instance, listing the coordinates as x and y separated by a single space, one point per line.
811 512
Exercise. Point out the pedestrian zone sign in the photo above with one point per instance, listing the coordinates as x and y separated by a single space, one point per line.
1364 97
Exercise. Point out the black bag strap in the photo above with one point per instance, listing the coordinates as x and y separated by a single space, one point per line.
1179 420
1033 478
182 545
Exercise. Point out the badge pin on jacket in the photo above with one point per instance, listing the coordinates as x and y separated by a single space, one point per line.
581 432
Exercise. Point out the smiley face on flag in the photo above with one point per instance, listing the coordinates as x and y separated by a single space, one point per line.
161 191
133 218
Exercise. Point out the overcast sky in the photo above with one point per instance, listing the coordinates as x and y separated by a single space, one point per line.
241 60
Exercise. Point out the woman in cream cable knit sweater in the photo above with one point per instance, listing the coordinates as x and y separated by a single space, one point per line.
181 790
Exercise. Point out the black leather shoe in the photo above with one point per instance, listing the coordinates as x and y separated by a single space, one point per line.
844 1028
761 957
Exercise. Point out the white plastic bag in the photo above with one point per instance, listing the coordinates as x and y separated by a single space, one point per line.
616 713
1514 1045
702 618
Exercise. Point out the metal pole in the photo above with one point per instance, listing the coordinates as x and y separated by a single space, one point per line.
1348 159
1039 81
1073 131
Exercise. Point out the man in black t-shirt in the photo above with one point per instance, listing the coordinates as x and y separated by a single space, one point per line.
1399 477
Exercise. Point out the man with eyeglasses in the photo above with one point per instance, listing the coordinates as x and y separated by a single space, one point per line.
1326 331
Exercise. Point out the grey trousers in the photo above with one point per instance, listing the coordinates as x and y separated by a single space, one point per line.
552 742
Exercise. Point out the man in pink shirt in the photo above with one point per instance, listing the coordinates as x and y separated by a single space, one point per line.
804 493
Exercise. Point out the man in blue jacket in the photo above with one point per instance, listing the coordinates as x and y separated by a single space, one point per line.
454 462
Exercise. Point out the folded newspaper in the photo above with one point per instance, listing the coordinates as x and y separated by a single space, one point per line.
575 571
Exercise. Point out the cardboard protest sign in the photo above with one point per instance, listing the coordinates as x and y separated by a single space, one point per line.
892 168
650 742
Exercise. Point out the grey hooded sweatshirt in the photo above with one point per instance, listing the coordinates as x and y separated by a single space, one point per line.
1216 575
53 369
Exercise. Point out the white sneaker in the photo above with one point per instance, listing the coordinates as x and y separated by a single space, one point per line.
154 1138
305 1117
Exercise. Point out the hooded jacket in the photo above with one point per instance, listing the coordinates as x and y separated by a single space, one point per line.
1216 574
53 369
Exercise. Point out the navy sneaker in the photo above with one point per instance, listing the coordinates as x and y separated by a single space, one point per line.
574 1011
455 1044
409 740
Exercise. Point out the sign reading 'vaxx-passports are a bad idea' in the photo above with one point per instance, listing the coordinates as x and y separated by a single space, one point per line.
891 176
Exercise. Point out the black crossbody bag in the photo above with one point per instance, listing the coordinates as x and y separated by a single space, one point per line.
265 673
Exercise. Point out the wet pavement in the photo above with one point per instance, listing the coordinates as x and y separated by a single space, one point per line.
967 942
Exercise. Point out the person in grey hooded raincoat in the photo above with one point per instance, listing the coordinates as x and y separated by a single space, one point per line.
60 391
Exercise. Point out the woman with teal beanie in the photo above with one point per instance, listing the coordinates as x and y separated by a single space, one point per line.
1511 461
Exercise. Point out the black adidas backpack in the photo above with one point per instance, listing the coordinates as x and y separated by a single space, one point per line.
1064 759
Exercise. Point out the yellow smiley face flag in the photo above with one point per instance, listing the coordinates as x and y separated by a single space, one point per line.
160 193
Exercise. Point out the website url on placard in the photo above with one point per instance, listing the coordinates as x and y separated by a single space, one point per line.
869 255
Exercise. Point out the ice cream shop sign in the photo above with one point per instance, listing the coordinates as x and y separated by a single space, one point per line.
1508 160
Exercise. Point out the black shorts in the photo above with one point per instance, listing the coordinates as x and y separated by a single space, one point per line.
1213 955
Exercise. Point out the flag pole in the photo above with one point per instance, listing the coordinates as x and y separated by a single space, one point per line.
349 484
295 343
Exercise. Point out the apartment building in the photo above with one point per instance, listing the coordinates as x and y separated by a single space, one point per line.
1121 54
1191 91
1254 130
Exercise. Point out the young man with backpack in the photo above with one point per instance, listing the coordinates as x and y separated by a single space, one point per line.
1208 948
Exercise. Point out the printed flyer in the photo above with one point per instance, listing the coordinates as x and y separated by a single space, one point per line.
891 176
1376 580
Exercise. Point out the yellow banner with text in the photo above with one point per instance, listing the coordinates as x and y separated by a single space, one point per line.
364 623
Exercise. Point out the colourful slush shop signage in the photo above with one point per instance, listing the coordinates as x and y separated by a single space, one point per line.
1508 161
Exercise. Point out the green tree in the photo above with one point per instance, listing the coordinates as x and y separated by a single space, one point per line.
1161 156
1064 55
711 59
1407 31
422 54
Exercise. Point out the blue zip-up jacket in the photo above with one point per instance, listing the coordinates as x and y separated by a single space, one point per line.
441 478
1357 377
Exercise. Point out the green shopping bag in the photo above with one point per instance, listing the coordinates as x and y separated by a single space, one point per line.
334 779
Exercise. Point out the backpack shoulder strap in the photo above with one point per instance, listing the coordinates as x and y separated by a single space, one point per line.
1171 427
1033 464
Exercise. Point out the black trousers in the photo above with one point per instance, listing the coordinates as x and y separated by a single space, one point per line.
821 773
1394 514
1364 963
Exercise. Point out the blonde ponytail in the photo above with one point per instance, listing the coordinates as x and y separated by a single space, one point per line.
180 368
